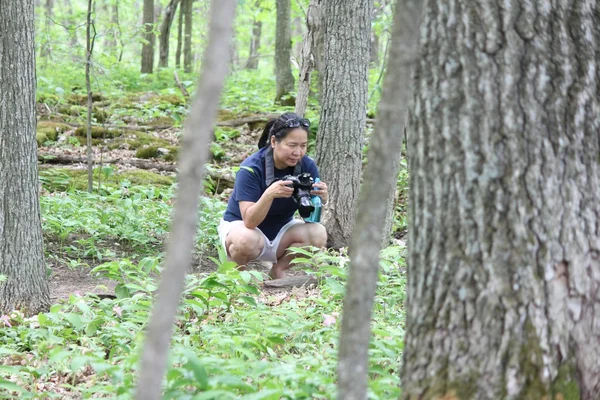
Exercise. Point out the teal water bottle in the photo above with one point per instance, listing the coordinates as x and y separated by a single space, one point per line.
315 216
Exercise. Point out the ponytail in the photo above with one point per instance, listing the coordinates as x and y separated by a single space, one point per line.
264 138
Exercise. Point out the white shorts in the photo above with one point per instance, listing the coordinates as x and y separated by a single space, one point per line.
269 252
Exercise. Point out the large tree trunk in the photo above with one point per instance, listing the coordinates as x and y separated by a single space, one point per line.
343 111
504 221
181 240
187 42
165 33
148 46
283 48
21 243
255 42
373 207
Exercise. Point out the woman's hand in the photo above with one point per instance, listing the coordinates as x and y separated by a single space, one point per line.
279 190
321 191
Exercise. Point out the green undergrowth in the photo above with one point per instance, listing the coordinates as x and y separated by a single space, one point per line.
231 340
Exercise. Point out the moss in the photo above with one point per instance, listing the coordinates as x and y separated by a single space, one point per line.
98 132
565 386
173 154
60 179
81 99
52 129
161 121
100 115
72 110
226 115
41 138
147 152
47 98
171 99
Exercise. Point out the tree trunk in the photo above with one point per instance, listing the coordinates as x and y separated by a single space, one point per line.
187 42
89 46
373 206
70 22
148 35
194 154
46 47
180 34
308 58
165 33
254 44
283 48
21 243
504 237
343 112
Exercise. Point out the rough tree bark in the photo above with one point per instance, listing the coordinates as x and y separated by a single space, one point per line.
187 41
255 41
283 48
165 33
309 57
194 154
343 111
504 219
21 242
148 35
373 206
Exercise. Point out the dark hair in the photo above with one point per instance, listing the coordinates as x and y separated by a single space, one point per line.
280 127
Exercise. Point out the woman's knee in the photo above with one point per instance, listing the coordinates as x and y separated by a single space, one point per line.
317 235
245 241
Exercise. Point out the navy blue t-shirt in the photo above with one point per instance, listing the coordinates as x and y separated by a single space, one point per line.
250 184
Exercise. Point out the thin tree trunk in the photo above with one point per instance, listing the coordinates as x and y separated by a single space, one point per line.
21 242
187 43
504 218
309 56
70 22
89 40
343 112
254 43
46 46
119 30
283 47
364 252
180 34
148 45
194 154
165 33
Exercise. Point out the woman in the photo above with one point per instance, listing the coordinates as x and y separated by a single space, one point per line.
259 221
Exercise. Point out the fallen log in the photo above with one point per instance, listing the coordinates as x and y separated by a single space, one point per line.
292 281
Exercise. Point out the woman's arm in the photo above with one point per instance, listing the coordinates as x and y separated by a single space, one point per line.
254 214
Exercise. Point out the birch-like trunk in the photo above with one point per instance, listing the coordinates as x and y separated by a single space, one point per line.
283 49
504 220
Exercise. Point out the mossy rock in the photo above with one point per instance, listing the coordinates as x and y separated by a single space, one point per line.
226 115
51 129
41 138
161 121
173 154
47 98
81 99
147 152
98 132
73 110
67 178
100 115
171 99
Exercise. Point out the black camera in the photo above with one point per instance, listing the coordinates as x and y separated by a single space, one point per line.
302 185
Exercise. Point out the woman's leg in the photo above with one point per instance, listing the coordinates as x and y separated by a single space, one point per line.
298 235
243 244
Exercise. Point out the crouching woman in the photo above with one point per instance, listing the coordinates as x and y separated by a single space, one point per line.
259 223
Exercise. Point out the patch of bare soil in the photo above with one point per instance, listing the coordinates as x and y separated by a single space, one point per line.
65 281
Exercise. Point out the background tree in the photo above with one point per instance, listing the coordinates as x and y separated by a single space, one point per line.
198 130
283 48
187 37
255 41
165 33
148 35
343 111
383 158
180 34
310 53
504 244
21 243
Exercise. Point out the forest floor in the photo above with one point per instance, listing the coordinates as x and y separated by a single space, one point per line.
139 150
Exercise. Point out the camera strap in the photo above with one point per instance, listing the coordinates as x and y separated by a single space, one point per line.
270 167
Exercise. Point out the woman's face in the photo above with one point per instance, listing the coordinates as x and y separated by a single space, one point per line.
289 150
